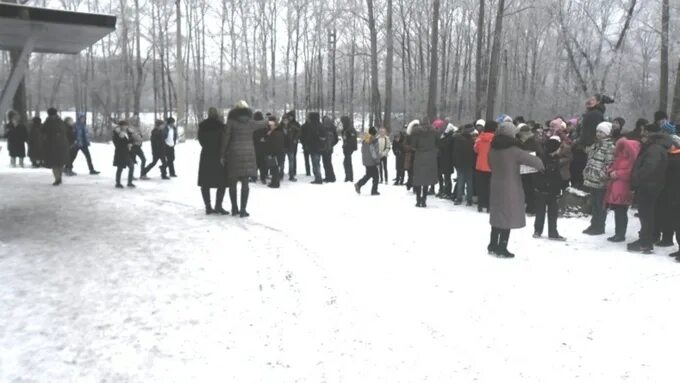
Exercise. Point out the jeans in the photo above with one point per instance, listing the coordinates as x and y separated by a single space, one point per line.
599 214
621 219
464 185
400 169
292 163
316 166
646 211
153 163
545 201
347 164
371 172
86 152
383 170
138 152
327 159
170 159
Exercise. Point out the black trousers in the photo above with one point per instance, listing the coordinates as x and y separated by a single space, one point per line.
138 152
245 192
546 203
276 163
383 170
499 238
371 172
170 159
647 209
86 153
153 163
663 221
578 164
308 170
292 162
399 161
262 166
205 193
329 173
621 219
529 192
347 164
445 186
131 171
421 193
483 188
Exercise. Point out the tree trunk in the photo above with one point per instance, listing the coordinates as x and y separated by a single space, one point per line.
138 64
663 76
375 93
675 114
478 61
432 93
495 62
179 63
389 64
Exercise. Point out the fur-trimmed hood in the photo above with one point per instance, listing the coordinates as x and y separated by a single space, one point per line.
411 126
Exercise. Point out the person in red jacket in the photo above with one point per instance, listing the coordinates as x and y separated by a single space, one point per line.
619 195
482 148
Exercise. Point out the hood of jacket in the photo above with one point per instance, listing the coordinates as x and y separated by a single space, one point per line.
504 142
241 114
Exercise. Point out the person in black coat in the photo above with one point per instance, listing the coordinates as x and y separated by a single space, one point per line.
312 130
399 157
445 161
647 180
259 140
291 132
122 157
17 135
170 141
276 152
673 191
211 174
464 162
594 115
56 145
157 150
530 143
35 143
329 139
73 146
349 146
547 188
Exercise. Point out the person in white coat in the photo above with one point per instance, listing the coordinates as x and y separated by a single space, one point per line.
384 148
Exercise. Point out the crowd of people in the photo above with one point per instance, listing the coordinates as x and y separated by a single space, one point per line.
510 168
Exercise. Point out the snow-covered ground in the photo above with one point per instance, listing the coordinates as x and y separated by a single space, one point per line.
319 285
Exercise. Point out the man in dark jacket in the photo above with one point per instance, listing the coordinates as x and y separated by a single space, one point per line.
276 153
170 138
158 150
464 161
595 108
260 142
83 142
72 148
291 132
647 180
329 138
399 160
530 143
547 187
17 135
349 146
311 133
137 141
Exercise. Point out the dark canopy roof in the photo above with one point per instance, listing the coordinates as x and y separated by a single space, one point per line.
54 31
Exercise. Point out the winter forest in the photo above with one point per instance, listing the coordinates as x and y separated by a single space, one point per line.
382 61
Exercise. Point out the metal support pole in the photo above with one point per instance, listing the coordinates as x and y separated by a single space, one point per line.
15 77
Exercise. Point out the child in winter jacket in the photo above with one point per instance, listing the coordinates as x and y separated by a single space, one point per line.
548 186
619 196
370 155
596 178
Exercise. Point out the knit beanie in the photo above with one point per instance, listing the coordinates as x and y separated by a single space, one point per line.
605 128
481 123
507 129
553 144
669 128
372 131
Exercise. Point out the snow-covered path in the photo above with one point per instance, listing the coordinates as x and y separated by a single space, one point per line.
319 285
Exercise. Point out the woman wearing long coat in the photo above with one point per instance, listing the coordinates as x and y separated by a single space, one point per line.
507 194
16 134
56 145
122 157
238 153
425 170
35 143
211 173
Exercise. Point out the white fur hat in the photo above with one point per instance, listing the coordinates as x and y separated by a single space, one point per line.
411 126
605 128
451 128
480 122
241 105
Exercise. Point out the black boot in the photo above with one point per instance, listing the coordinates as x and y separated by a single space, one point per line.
232 198
244 202
218 203
493 241
205 193
503 251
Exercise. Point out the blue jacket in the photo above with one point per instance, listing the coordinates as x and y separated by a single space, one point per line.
81 135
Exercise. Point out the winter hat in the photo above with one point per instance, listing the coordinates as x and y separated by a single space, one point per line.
503 118
605 128
524 132
481 123
241 105
557 124
52 112
291 114
450 128
122 123
507 129
573 121
438 123
468 129
490 127
412 125
553 144
660 115
669 128
372 131
258 116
